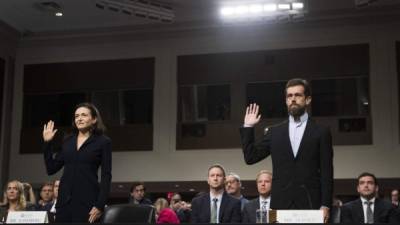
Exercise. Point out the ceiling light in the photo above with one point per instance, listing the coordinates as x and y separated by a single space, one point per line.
275 10
241 9
297 5
256 9
227 11
284 6
59 14
270 7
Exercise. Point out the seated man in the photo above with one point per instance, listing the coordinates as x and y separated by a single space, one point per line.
137 194
46 197
216 206
394 196
264 183
233 186
181 208
368 208
52 212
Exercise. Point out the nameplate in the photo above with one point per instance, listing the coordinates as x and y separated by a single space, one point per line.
299 216
27 217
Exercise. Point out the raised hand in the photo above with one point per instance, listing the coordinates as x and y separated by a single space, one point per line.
252 117
48 131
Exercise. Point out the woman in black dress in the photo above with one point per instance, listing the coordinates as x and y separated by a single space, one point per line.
81 198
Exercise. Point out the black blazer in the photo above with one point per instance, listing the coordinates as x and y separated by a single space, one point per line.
384 212
229 211
304 181
79 180
249 211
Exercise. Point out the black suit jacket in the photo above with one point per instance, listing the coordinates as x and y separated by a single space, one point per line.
384 212
229 211
304 181
79 181
249 211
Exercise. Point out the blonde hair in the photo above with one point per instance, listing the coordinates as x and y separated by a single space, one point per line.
263 172
160 204
21 202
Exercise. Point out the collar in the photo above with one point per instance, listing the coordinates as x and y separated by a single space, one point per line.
363 200
219 196
265 199
303 118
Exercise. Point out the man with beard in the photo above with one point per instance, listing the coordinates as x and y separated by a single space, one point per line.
233 186
368 208
301 153
216 206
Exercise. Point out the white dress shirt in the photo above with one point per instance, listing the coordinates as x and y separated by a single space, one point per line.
219 197
364 205
296 131
261 200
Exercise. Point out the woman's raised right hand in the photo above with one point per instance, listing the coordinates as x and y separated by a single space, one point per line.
48 131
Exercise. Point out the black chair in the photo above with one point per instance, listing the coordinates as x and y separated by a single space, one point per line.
129 213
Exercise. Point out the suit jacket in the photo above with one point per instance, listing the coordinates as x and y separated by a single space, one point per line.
79 182
304 181
384 212
45 207
229 211
249 211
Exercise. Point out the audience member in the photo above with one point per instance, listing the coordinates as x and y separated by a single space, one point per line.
46 197
216 206
52 213
181 208
264 183
15 200
368 208
138 191
233 186
164 214
394 197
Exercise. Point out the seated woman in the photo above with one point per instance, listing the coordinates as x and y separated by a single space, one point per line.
163 213
14 200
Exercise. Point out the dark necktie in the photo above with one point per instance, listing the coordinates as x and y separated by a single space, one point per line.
214 209
370 214
264 205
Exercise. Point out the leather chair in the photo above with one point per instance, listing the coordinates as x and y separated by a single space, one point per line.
129 213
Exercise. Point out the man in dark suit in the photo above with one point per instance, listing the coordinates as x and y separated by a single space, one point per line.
264 182
216 206
394 198
138 192
46 197
301 153
233 186
368 208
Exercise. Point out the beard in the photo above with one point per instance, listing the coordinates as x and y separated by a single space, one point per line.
296 111
368 195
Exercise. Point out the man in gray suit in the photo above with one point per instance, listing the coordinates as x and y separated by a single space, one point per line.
264 183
